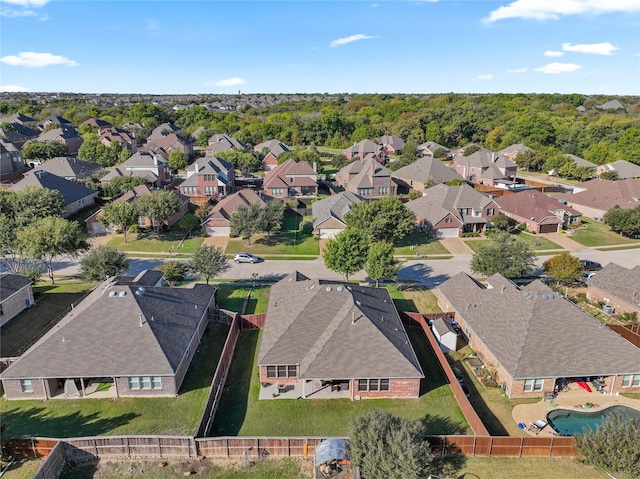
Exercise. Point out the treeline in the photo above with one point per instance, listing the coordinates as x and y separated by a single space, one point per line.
547 123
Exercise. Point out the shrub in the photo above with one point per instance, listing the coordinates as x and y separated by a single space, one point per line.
471 234
306 227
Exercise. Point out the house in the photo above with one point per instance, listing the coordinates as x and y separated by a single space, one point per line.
539 212
136 338
595 197
271 150
616 287
67 135
18 118
17 134
218 221
223 142
625 169
75 195
69 168
486 168
363 148
53 120
511 152
611 105
428 148
170 143
367 178
112 134
425 172
94 226
291 178
12 163
580 162
445 334
532 338
328 214
448 211
391 145
15 296
162 130
96 123
153 166
209 176
321 335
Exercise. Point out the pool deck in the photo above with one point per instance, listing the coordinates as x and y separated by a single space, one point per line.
572 400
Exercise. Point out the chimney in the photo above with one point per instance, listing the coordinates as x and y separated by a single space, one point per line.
315 167
140 318
353 317
155 160
493 157
502 288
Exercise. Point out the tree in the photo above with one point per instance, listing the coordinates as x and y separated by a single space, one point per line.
38 150
49 237
158 206
380 261
120 214
613 446
470 150
624 221
102 262
530 160
177 160
610 175
504 254
209 262
388 447
271 216
501 222
245 221
387 219
346 253
564 268
32 203
122 184
174 271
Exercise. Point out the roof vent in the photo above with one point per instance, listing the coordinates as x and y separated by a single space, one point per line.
339 288
527 295
122 294
141 290
328 288
113 294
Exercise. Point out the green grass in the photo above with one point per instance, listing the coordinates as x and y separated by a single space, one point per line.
94 417
289 258
285 243
618 248
51 302
231 297
148 243
22 469
535 242
423 245
332 151
595 233
241 413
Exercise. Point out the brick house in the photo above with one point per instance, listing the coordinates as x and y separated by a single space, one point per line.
391 145
69 168
428 148
15 296
328 214
291 178
218 221
129 333
222 142
617 287
511 152
595 197
367 178
153 166
12 163
210 177
126 139
363 148
66 135
271 150
448 211
624 169
531 338
486 168
425 172
539 212
325 336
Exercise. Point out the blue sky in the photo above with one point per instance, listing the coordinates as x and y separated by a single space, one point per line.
298 46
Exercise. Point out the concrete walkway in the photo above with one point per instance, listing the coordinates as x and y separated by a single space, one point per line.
456 246
566 242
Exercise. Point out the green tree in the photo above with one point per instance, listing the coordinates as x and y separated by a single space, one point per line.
102 262
245 222
271 216
33 203
380 262
387 219
564 268
177 160
49 237
346 253
501 222
43 151
122 184
388 447
158 206
610 175
613 446
470 150
456 182
174 271
209 262
530 160
504 254
624 221
120 214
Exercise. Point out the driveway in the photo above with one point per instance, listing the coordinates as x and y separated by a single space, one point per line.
566 242
456 246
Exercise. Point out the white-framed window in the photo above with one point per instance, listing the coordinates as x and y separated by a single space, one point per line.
490 212
145 382
134 382
26 386
210 190
283 371
532 385
630 380
142 220
448 220
365 191
276 191
383 190
373 384
476 214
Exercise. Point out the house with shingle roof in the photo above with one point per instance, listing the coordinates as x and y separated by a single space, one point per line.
428 148
18 118
595 197
218 221
321 335
391 145
512 151
611 105
425 172
18 134
210 176
65 134
162 130
69 168
53 119
75 195
137 339
448 211
579 162
328 214
617 287
112 134
12 163
362 149
170 143
291 178
271 150
223 142
153 166
367 178
533 338
96 123
539 212
15 296
625 169
485 167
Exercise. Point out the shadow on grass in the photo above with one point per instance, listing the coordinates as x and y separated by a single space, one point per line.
449 466
204 364
436 425
434 377
422 273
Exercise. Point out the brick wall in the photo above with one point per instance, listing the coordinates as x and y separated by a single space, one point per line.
398 388
265 379
598 296
16 303
168 388
13 389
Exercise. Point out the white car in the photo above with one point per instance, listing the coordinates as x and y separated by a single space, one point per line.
245 258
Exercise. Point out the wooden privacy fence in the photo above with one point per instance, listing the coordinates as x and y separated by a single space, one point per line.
53 464
488 446
230 447
252 321
627 332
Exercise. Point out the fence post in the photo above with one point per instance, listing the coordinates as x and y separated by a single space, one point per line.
474 446
521 446
227 441
33 448
490 446
128 448
159 446
95 447
289 447
551 447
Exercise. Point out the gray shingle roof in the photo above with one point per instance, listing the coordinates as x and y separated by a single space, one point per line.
276 147
625 169
335 206
70 190
620 282
395 142
427 169
11 284
336 331
580 161
68 167
432 146
534 333
441 200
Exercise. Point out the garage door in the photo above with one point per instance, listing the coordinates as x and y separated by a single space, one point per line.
217 230
447 232
326 233
548 228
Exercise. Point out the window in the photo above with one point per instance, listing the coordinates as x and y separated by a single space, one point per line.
531 385
156 382
630 380
464 211
362 384
142 220
209 178
448 220
365 191
292 371
383 190
276 191
134 382
384 385
287 371
282 371
476 214
145 382
210 190
271 371
26 386
373 384
490 212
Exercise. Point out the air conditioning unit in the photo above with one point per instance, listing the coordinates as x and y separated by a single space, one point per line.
607 309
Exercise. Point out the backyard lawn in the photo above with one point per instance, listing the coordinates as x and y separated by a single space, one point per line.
231 297
422 244
52 303
93 417
596 233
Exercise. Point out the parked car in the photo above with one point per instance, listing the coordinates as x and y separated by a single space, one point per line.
586 276
590 265
245 258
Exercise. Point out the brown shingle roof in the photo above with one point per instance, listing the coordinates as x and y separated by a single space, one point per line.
224 209
535 206
426 169
605 194
620 282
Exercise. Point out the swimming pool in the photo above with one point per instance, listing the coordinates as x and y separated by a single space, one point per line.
570 423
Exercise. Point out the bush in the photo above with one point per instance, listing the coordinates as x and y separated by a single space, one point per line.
470 234
134 229
306 227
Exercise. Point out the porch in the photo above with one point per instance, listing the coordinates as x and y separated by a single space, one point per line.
307 389
94 388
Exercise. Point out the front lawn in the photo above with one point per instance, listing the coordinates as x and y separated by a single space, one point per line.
596 233
52 303
150 243
289 243
231 297
535 242
94 417
419 243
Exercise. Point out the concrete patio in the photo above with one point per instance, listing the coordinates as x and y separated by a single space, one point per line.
294 391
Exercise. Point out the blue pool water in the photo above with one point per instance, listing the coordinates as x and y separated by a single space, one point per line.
570 423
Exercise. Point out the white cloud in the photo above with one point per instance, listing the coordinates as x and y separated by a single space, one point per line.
554 9
552 53
604 48
556 68
10 13
153 26
27 3
37 60
235 81
485 77
13 88
517 70
352 38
